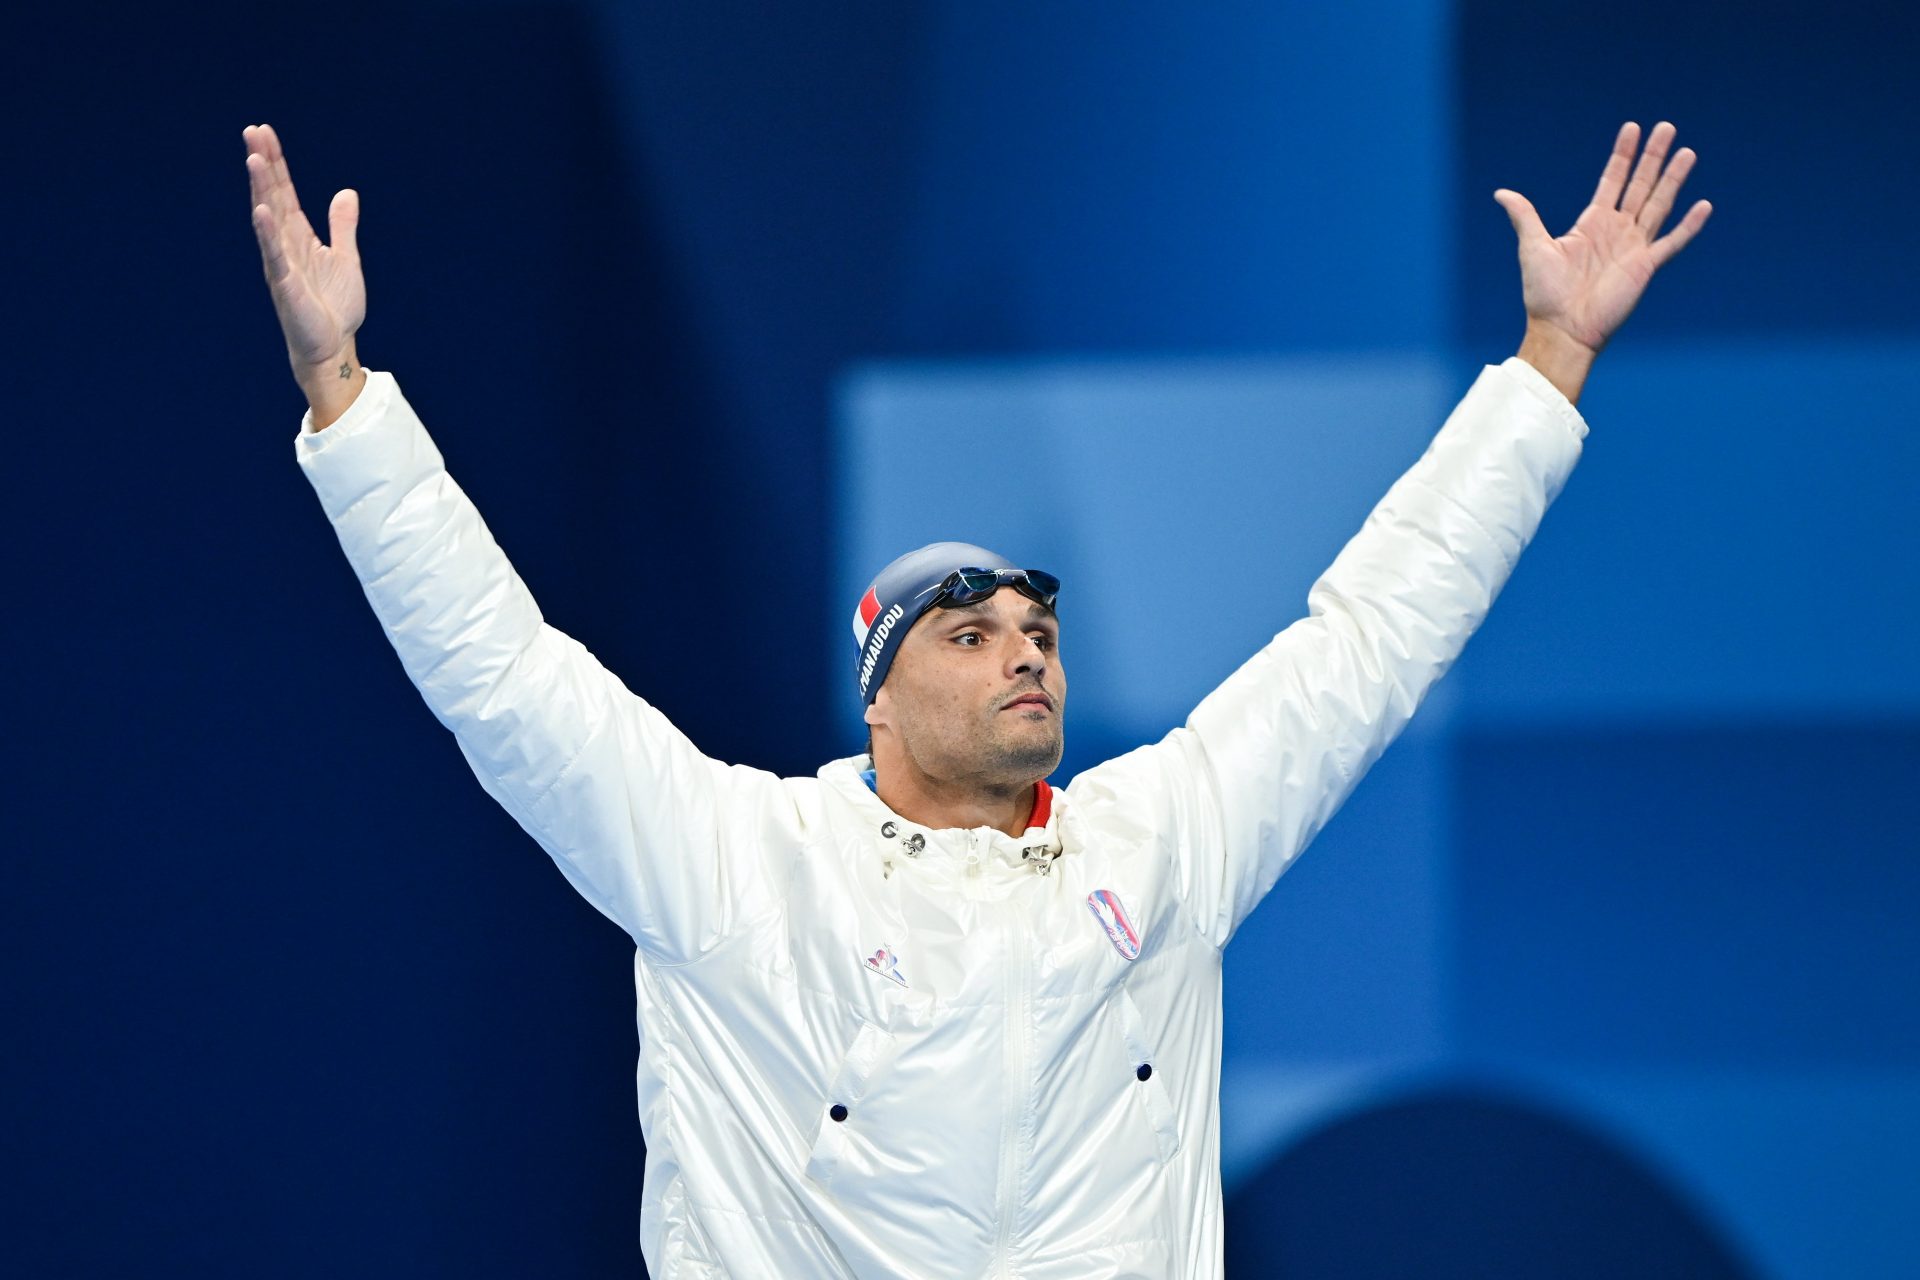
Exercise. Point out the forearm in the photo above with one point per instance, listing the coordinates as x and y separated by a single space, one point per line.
1290 733
625 804
522 698
450 602
1560 359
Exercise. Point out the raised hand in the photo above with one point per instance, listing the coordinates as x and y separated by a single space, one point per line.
318 290
1584 284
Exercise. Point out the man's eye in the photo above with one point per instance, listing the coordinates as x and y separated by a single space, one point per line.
965 636
1042 639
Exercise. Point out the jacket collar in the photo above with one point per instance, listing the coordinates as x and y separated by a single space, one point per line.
893 837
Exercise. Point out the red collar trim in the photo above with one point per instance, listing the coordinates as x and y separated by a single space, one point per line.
1042 805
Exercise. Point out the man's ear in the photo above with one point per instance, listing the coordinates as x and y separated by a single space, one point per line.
876 713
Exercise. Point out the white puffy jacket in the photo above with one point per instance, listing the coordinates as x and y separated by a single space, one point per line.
874 1049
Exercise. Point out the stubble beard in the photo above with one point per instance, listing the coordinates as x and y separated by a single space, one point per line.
1028 755
1000 755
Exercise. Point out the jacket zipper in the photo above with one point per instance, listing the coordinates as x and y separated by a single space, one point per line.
1019 1054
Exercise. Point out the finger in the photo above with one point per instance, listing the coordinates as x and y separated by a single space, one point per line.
343 223
1614 177
273 255
1675 240
1648 169
259 178
260 175
264 144
1660 203
1520 211
286 201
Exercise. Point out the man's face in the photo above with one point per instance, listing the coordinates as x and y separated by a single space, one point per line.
978 691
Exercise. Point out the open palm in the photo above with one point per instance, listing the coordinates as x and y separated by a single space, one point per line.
1587 282
318 290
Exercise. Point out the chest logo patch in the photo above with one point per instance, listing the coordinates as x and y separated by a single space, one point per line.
1106 908
885 963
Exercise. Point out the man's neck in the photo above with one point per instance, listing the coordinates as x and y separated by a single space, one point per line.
940 804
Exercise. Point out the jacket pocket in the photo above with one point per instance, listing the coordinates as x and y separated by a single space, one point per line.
1148 1079
840 1108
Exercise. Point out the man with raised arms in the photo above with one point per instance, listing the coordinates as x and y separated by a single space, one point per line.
921 1014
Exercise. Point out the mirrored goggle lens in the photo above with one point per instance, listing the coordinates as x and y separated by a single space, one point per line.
972 585
1045 585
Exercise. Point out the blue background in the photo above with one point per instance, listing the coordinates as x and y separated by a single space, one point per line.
715 308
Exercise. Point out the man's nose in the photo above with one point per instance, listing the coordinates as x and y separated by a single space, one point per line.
1028 657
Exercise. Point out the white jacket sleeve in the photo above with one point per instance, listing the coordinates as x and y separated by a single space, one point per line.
624 803
1267 758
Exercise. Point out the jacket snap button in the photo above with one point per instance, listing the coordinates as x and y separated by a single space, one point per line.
888 830
915 843
838 1112
1143 1071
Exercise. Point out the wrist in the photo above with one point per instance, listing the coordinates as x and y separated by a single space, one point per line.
331 386
1561 358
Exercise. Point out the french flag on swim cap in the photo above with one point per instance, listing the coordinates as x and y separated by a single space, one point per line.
863 616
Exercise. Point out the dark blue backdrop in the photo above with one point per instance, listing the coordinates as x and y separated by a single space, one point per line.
285 994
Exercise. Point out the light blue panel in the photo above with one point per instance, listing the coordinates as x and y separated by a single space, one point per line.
1186 504
1738 542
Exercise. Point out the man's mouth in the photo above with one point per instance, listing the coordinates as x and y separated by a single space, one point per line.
1030 700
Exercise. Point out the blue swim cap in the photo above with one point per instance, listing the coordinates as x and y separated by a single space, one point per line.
899 595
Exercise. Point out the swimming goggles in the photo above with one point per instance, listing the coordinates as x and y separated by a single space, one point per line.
970 586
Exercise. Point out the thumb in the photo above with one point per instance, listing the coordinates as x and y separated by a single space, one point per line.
343 223
1526 222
